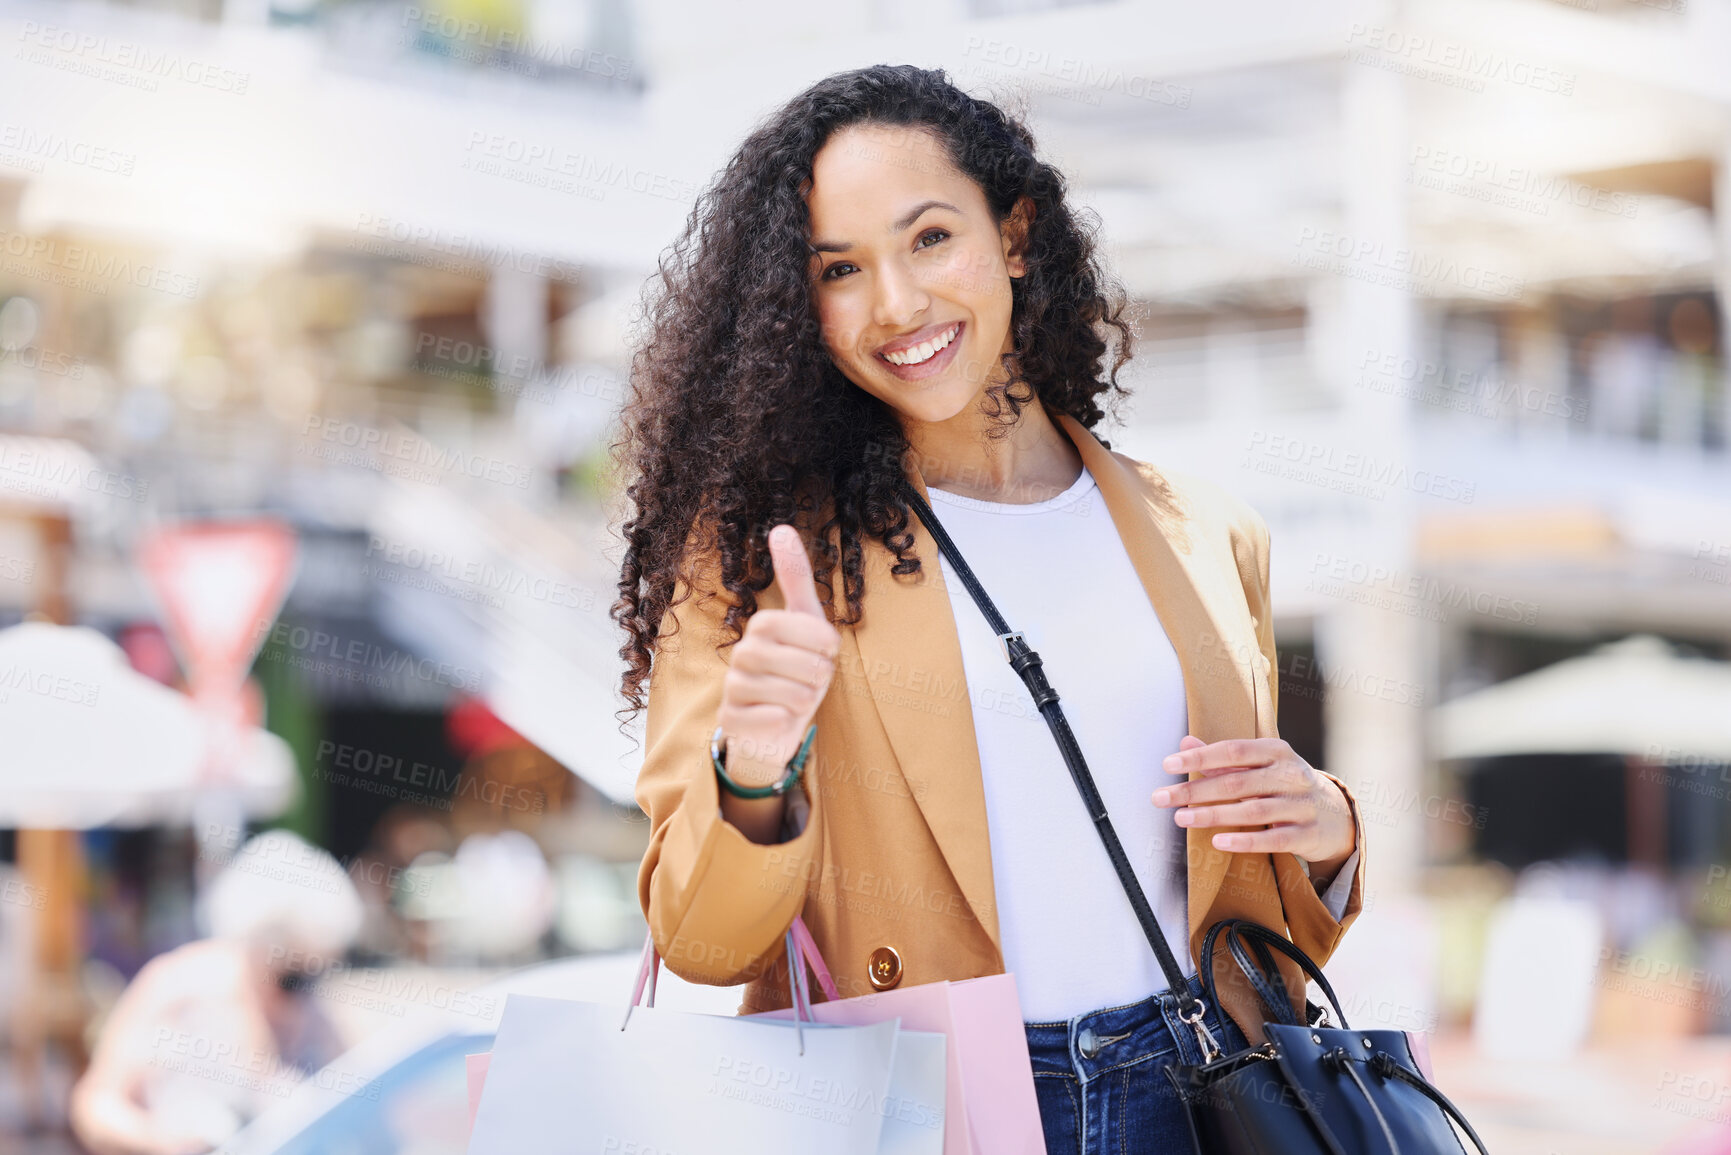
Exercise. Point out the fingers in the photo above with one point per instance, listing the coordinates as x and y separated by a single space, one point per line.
797 698
1274 840
787 628
792 570
1254 782
1288 825
1227 786
791 662
1250 812
1232 754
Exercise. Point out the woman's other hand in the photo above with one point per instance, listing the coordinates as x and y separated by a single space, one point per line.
1256 782
779 672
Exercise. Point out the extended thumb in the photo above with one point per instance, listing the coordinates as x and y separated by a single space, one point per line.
793 571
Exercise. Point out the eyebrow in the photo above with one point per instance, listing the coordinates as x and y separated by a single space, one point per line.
901 225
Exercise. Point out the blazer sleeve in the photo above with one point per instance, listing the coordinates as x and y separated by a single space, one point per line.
1312 927
717 903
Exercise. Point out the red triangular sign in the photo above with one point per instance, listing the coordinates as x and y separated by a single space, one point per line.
220 586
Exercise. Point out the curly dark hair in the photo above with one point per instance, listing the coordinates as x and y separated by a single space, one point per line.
737 419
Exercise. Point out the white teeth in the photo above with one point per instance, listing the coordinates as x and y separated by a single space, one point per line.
924 351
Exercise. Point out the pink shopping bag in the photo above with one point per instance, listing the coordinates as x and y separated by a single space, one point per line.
1419 1041
997 1076
990 1108
476 1066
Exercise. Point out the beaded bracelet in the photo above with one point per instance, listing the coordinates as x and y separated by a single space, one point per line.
718 752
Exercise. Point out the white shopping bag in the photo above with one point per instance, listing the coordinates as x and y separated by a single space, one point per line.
914 1109
567 1075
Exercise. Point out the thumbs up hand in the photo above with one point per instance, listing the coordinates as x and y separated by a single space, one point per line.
780 670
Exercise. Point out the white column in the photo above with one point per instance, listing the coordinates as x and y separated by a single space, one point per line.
514 318
1375 743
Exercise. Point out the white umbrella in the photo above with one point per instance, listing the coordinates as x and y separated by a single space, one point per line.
1634 697
56 474
88 741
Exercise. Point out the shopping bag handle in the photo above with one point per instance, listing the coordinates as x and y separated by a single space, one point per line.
797 942
808 947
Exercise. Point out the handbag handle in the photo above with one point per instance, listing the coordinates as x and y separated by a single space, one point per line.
1386 1066
1238 931
1271 991
1027 665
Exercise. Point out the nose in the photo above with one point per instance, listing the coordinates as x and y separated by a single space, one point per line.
900 297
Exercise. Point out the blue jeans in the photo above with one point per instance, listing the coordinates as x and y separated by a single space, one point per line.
1100 1077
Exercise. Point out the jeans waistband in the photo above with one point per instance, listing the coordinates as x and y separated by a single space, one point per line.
1115 1036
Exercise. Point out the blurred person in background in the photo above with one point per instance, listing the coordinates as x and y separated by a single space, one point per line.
401 837
210 1033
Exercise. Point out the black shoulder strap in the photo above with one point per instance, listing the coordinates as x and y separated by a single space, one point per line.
1026 663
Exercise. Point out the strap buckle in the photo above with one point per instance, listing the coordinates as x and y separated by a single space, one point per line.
1004 642
1204 1037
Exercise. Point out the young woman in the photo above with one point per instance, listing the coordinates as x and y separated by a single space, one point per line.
887 282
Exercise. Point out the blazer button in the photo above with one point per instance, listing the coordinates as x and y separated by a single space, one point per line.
884 969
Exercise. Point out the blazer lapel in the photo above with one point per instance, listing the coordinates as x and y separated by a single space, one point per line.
911 659
1194 593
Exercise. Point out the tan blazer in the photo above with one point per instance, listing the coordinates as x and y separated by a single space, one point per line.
895 852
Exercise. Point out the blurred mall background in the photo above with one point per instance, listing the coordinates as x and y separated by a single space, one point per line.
1437 285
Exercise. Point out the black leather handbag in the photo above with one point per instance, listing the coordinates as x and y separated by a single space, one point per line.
1312 1087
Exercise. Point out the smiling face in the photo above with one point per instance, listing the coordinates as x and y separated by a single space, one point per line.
911 274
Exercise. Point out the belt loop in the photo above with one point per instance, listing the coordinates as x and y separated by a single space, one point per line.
1170 1001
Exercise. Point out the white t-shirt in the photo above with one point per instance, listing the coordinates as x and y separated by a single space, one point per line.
1058 572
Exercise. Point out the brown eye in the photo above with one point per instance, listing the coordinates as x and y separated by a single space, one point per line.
933 236
831 273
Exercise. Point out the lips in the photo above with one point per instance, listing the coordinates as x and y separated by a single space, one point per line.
923 352
920 336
